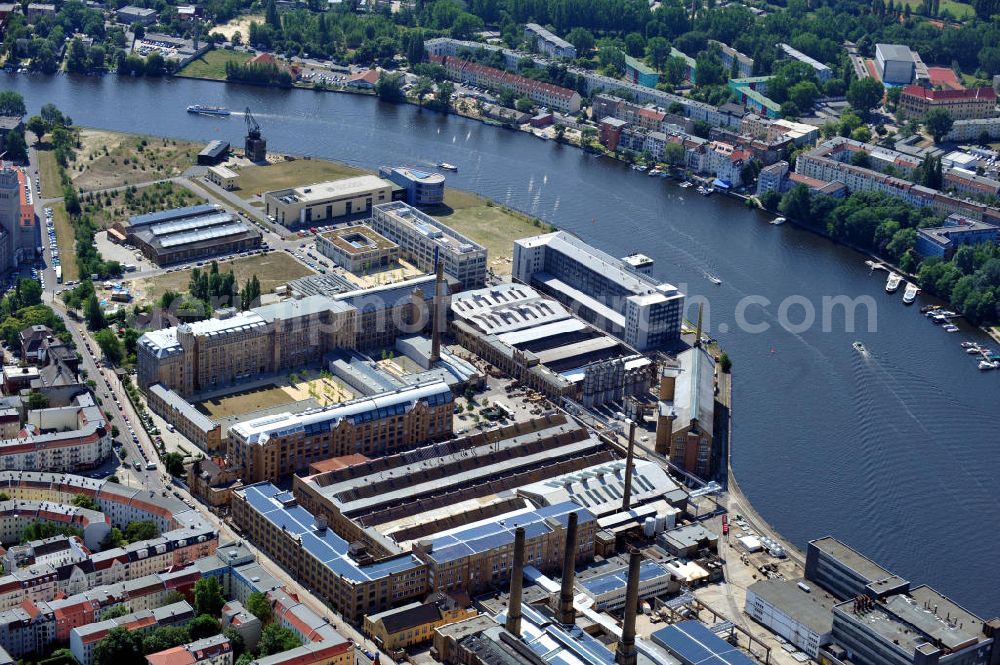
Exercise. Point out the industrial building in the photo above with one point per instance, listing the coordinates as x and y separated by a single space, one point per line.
841 570
692 643
425 240
411 624
538 342
324 201
213 153
19 237
423 188
189 233
276 445
224 177
607 588
601 289
357 249
895 64
793 609
404 497
685 426
215 353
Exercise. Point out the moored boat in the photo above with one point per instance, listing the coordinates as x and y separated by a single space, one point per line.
911 293
208 110
893 282
778 221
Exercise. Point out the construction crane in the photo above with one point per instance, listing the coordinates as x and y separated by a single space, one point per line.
255 145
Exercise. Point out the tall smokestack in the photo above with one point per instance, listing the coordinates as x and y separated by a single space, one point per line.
513 624
436 303
566 614
629 461
626 653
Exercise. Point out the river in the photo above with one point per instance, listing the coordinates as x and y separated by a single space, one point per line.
895 453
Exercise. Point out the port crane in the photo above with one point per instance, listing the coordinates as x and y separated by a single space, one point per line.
255 144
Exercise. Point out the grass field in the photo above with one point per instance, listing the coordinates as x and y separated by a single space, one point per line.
245 401
493 226
48 173
256 180
272 270
112 159
958 10
66 241
106 208
212 65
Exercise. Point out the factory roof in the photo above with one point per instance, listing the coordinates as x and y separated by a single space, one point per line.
851 558
215 149
600 488
383 405
542 331
694 390
499 531
617 579
175 213
333 189
388 295
506 307
689 535
278 507
813 608
295 308
242 322
694 644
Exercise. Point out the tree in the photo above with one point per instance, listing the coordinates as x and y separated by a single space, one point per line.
725 363
865 94
635 45
174 462
938 123
15 146
275 639
141 530
582 39
803 94
423 87
390 87
524 104
12 103
115 611
259 606
119 647
110 345
795 203
94 313
113 539
235 640
37 126
208 598
203 625
84 501
164 637
466 25
37 400
659 51
174 596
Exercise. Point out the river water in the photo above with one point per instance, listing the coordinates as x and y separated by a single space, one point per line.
894 453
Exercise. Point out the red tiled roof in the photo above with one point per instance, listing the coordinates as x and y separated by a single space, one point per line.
935 95
501 77
368 76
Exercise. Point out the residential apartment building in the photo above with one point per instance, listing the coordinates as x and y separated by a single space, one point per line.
823 73
62 439
214 650
971 130
727 162
216 353
593 82
84 639
545 42
424 240
545 94
277 445
973 103
943 241
601 289
731 58
324 201
640 73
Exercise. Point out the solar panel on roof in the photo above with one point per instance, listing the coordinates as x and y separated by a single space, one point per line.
201 221
694 644
204 234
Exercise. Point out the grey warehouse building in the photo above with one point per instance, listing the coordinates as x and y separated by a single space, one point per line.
190 233
601 289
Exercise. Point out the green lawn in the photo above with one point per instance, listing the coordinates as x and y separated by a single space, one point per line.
296 173
66 241
958 10
48 172
493 226
212 65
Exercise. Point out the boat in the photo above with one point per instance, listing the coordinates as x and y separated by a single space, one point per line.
910 294
947 313
713 279
446 166
208 110
950 327
927 309
892 284
987 365
686 184
973 350
654 172
937 319
860 348
969 345
778 221
707 191
642 168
